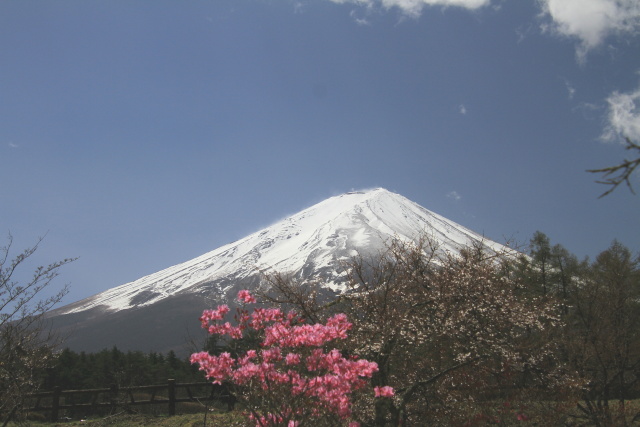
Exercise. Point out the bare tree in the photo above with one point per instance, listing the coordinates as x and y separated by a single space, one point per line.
26 346
616 175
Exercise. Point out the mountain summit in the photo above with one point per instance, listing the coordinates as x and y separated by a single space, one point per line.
154 312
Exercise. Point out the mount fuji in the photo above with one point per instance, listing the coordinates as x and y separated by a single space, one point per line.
159 312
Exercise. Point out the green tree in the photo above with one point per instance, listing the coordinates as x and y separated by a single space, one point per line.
548 270
604 335
541 260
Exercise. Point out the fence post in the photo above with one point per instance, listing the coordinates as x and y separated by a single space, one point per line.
114 397
172 397
55 404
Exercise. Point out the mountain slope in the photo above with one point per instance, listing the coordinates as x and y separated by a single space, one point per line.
311 243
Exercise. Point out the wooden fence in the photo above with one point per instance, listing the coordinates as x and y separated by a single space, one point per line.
116 397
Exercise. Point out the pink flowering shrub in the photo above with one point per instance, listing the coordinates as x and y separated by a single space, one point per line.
292 379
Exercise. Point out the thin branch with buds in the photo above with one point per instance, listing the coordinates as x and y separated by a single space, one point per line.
616 175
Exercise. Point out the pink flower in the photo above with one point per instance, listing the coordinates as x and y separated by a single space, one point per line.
262 315
292 359
226 329
246 297
272 354
211 315
385 391
216 367
327 377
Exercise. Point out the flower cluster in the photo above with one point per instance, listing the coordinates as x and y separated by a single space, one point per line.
292 362
385 391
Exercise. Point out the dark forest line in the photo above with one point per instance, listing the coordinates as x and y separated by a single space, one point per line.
81 370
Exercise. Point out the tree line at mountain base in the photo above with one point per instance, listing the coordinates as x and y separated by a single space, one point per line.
80 370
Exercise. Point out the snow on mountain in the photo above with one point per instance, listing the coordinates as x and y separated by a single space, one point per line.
160 312
313 240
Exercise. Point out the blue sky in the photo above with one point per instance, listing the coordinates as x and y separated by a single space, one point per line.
138 134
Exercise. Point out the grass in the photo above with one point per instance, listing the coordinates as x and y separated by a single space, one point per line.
130 420
190 414
219 418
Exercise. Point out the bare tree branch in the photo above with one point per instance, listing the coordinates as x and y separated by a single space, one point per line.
26 345
616 175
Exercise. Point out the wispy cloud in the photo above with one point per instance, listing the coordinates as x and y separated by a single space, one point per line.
570 89
591 21
588 110
13 145
414 7
463 109
454 195
360 21
524 31
298 7
623 119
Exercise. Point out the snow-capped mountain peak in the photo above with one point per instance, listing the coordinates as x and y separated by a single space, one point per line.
313 241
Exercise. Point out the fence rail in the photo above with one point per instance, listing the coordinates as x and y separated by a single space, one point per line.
113 397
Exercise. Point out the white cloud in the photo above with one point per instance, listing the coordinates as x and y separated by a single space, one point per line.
298 7
414 7
462 109
454 195
13 145
591 21
570 89
359 21
623 116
